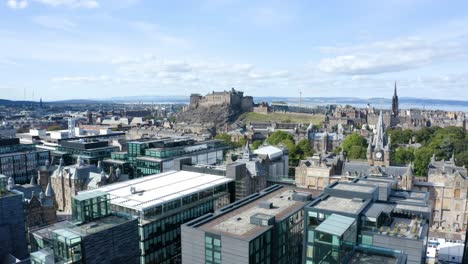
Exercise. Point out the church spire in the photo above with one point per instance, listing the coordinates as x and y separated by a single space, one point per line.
380 133
247 152
395 102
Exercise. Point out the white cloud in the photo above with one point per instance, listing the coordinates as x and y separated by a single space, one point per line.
17 4
54 22
70 3
387 56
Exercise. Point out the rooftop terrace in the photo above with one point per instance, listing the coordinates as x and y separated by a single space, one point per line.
237 223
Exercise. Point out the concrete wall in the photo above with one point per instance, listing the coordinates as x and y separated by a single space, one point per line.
193 245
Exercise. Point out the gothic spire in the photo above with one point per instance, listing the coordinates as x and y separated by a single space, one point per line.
33 180
49 191
395 91
247 152
380 133
409 170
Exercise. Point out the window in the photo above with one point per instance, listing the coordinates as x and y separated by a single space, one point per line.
212 249
457 194
366 240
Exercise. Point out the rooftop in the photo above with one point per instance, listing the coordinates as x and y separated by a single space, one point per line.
237 223
154 190
335 225
353 187
343 205
365 258
70 230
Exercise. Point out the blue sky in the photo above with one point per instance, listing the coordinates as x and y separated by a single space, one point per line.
62 49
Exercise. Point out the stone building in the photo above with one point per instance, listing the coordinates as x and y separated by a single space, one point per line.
447 185
325 142
69 180
318 172
233 99
379 148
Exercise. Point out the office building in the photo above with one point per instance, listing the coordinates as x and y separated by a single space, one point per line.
95 235
91 150
374 219
165 201
20 161
153 156
275 162
247 172
266 227
12 223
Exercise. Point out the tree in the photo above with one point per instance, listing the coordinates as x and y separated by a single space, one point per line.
304 149
226 138
54 128
399 136
403 156
355 146
256 144
278 136
242 142
422 157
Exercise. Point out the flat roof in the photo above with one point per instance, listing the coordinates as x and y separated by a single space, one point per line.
69 230
89 195
374 182
369 258
154 190
424 209
237 222
338 204
335 225
353 187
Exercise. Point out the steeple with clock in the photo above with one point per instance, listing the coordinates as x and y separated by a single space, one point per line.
379 148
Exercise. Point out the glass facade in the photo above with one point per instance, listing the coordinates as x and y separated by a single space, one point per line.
160 238
289 237
90 206
260 249
328 247
67 246
154 156
21 161
159 226
90 156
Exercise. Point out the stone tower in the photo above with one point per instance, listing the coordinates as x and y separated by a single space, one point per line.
379 148
395 103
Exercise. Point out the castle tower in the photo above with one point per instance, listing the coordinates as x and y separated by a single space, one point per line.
395 103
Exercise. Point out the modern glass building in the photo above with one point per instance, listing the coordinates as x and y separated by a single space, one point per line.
153 156
165 201
266 227
95 235
12 223
91 151
351 222
20 161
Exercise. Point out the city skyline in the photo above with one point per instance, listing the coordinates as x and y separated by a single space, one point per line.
72 49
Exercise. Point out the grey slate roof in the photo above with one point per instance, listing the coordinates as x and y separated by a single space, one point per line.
364 169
